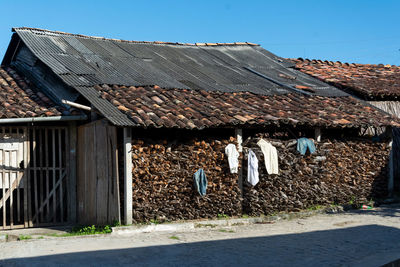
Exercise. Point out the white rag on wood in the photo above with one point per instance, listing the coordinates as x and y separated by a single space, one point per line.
252 168
270 156
233 155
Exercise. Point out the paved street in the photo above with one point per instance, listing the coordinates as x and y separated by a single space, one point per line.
359 238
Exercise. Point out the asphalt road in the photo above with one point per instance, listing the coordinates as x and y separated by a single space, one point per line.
358 238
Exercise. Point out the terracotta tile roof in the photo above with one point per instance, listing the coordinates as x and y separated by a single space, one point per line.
198 109
19 99
372 82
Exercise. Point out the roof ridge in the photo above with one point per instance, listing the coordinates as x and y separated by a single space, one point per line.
44 31
329 62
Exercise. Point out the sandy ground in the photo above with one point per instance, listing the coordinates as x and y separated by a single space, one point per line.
358 238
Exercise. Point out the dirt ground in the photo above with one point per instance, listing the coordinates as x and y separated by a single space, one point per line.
356 238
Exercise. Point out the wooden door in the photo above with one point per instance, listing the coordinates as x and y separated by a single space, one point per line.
97 174
13 178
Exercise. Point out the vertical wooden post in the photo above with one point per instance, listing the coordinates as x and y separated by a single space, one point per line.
127 176
3 178
391 176
389 133
318 135
25 177
71 169
239 138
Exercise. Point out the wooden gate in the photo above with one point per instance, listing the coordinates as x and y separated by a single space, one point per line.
13 178
33 172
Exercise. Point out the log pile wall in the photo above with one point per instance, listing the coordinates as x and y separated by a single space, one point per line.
339 172
163 187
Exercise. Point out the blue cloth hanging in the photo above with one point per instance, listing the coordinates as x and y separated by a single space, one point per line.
304 143
200 182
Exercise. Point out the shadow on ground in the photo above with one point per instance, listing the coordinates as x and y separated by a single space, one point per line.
371 245
384 211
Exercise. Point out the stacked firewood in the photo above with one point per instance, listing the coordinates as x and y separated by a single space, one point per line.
163 187
339 172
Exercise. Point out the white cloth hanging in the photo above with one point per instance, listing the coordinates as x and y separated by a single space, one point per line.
252 168
270 156
233 155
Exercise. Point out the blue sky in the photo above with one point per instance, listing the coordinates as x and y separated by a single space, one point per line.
361 31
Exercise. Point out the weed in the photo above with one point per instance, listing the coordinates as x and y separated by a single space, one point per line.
86 230
245 216
222 216
199 225
315 207
24 237
155 221
116 223
226 231
237 224
40 237
174 237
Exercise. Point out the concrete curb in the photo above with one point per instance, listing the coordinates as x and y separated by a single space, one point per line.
186 226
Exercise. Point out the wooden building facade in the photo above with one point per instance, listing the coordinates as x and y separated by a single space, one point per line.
68 140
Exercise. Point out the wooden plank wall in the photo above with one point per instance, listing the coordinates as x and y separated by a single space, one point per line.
97 174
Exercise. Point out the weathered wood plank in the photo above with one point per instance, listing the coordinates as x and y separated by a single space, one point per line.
29 183
114 200
3 178
102 164
11 189
127 176
25 178
41 178
59 173
71 139
35 175
53 133
46 148
81 175
90 157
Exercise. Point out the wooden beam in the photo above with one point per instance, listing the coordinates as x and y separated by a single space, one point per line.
25 177
71 169
127 176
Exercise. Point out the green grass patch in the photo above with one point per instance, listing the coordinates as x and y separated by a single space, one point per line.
237 224
222 216
315 207
174 237
200 225
155 221
24 237
85 230
225 231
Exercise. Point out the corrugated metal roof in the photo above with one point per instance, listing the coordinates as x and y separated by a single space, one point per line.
211 67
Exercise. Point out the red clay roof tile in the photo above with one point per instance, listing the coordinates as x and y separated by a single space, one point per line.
366 80
194 109
19 98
